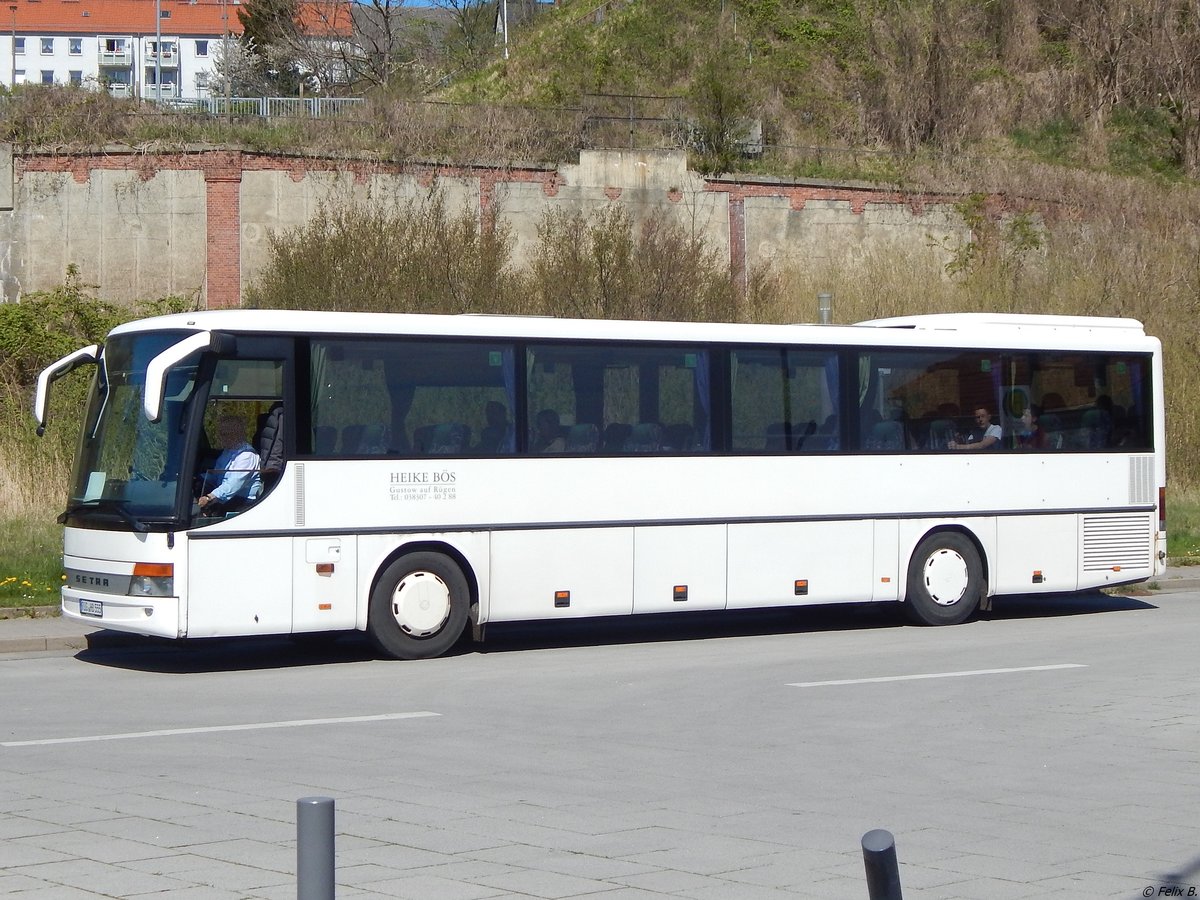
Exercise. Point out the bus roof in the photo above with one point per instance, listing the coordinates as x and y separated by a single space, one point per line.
1011 321
952 329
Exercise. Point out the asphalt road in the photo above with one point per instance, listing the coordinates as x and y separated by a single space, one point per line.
1052 749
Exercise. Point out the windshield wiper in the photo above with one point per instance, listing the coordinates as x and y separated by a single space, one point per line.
120 507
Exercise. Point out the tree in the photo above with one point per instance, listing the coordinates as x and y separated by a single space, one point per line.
1174 54
386 46
270 32
473 33
723 110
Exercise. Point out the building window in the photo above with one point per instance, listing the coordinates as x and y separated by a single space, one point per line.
202 81
19 76
76 77
47 76
75 46
47 46
20 46
202 48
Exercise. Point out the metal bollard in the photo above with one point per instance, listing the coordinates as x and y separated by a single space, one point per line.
314 848
883 871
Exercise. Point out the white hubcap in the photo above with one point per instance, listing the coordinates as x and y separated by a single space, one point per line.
946 577
421 604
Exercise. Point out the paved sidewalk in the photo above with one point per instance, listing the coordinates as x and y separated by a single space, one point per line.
47 632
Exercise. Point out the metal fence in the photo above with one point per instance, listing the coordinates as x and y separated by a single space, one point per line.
273 107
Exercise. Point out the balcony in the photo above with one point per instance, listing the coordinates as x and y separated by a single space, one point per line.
123 91
114 54
170 91
169 59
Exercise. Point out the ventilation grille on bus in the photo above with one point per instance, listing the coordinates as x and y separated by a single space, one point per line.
299 495
1141 479
1116 541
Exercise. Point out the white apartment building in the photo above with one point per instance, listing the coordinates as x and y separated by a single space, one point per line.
133 48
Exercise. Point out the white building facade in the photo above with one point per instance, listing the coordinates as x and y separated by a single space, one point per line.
152 49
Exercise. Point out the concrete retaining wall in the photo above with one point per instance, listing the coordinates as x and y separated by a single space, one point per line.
141 226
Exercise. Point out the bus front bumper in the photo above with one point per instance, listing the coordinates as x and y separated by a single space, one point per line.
155 616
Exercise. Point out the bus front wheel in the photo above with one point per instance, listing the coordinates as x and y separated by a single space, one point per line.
419 606
945 580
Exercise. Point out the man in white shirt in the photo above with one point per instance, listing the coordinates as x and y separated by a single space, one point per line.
985 435
236 470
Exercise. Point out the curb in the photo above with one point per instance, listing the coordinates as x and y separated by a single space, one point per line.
58 636
42 644
30 612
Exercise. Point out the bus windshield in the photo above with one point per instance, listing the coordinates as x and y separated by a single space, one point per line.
127 470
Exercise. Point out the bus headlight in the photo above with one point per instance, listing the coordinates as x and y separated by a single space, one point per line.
152 580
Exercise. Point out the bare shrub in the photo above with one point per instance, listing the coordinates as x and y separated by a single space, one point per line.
56 116
411 255
33 333
404 129
605 265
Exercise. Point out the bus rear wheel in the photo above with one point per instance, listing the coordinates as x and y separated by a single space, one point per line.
418 608
945 580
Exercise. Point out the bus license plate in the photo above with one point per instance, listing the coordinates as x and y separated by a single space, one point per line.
91 608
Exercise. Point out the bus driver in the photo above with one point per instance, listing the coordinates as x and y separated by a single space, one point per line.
236 467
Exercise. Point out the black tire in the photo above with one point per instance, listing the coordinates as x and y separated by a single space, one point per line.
418 608
945 580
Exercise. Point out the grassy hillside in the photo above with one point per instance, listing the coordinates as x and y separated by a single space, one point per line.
1109 86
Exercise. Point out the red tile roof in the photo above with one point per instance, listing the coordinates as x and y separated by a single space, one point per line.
120 17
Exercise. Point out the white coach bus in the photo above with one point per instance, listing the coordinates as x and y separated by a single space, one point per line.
446 471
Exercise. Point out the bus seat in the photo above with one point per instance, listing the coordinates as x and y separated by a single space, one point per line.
803 433
448 438
422 436
1097 425
776 436
646 437
679 437
582 438
615 436
941 433
1052 426
351 438
887 435
324 440
374 440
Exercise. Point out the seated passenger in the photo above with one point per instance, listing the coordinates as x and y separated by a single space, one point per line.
1031 436
234 481
494 436
548 434
582 438
984 436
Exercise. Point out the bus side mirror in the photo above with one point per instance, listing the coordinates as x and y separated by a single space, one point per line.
156 371
54 371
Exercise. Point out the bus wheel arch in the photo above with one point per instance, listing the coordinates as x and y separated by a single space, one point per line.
947 577
420 601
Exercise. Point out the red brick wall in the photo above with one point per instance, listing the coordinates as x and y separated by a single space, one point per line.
223 272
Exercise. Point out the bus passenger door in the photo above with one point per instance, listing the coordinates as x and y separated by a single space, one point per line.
324 576
238 586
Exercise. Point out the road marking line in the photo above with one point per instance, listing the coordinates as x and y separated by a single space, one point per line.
252 726
937 675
